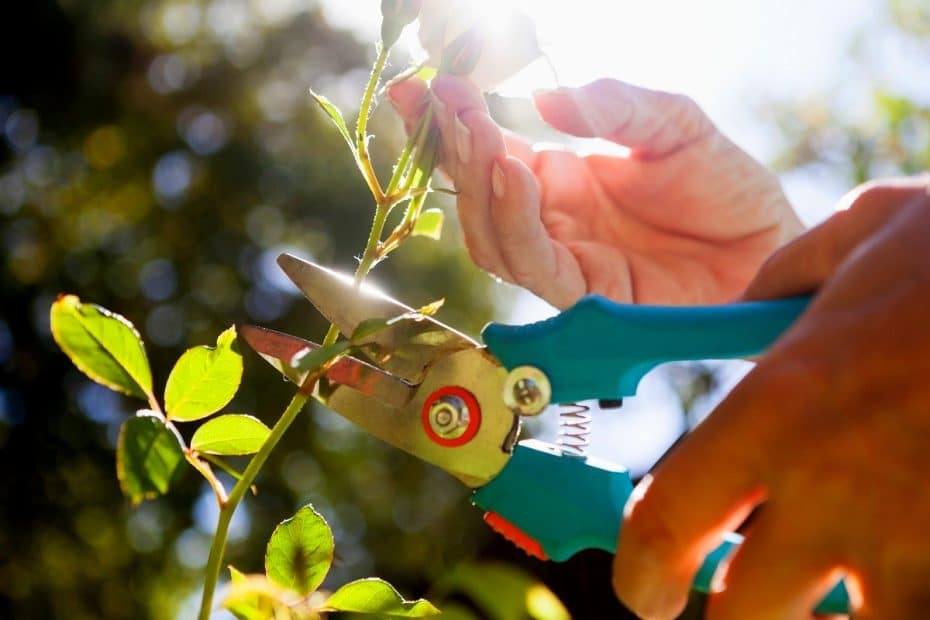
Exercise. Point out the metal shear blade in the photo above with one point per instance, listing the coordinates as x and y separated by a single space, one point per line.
405 349
392 410
278 348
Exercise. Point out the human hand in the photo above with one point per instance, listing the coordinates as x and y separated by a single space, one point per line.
828 437
686 218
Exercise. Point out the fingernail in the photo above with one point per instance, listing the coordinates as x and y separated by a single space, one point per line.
462 140
602 120
605 120
498 182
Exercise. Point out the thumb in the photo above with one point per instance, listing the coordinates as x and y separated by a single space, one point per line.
809 261
651 123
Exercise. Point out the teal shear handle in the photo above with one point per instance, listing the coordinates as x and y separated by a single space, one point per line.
601 349
563 504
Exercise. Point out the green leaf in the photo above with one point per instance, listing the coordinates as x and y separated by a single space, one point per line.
311 359
335 116
204 379
376 596
148 457
429 224
103 345
300 552
253 597
230 435
370 327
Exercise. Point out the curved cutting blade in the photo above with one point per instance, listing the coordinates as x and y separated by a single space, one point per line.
373 384
392 410
404 349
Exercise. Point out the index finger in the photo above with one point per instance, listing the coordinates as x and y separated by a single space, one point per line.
704 488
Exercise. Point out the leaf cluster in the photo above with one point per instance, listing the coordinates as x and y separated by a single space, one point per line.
297 559
150 451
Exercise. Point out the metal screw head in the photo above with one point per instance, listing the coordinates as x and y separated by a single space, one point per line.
449 416
527 391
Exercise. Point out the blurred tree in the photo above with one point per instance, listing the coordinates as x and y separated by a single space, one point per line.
875 124
155 157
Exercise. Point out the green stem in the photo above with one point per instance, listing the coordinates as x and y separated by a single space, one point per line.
218 547
224 466
369 258
409 149
361 126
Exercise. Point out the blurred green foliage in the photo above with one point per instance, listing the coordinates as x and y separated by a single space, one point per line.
156 156
876 123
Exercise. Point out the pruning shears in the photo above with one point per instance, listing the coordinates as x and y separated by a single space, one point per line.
436 393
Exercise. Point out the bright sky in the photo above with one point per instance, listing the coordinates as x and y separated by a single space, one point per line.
729 55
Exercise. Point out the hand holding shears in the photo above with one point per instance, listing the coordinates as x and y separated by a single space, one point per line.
441 396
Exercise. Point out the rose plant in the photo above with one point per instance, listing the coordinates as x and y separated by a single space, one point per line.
151 451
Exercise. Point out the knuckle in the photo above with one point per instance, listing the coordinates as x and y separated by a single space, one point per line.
648 524
864 194
686 114
606 88
524 276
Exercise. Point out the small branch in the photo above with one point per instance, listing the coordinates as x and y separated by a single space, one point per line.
207 472
361 126
226 468
404 160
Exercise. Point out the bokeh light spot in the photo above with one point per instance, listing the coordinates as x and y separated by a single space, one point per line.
216 286
165 325
267 273
41 165
104 147
168 73
265 304
172 177
21 129
192 549
180 21
100 404
204 131
206 513
158 279
145 527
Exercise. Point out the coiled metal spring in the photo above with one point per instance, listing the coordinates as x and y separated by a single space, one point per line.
574 429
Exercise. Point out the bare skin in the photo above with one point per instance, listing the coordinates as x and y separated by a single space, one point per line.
827 437
829 434
686 218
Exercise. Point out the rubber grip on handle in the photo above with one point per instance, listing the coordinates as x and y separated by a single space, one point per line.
601 349
567 504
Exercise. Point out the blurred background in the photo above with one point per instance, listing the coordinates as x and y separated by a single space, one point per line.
157 155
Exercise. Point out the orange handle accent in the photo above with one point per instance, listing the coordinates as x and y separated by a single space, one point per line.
515 535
